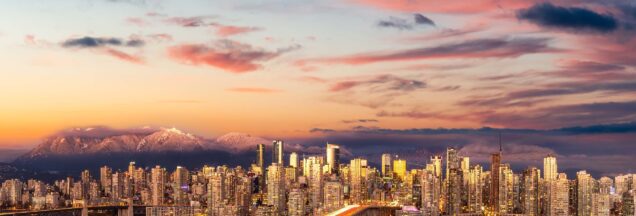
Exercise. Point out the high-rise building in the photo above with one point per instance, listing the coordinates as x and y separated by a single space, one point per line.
494 181
333 158
429 192
333 196
386 165
106 178
260 152
436 161
181 187
399 168
158 182
278 152
313 168
558 196
293 160
530 192
276 187
549 168
584 188
216 190
475 188
296 203
358 178
600 204
453 182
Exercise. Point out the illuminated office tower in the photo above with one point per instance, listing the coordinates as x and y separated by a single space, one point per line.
585 188
386 165
358 178
291 174
131 169
216 190
157 182
293 160
605 185
276 187
452 160
429 192
506 196
465 170
296 203
549 168
243 195
314 170
333 158
260 152
399 168
530 191
453 182
260 167
334 196
181 187
118 185
106 178
278 152
494 181
475 188
600 204
558 199
436 161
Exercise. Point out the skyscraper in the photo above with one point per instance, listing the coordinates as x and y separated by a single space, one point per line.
313 166
296 203
453 182
293 160
584 188
333 196
475 188
399 168
530 192
333 157
181 187
386 165
558 196
277 152
260 151
549 168
276 187
494 179
358 179
158 182
436 161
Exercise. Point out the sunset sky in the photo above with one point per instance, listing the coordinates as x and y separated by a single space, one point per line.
296 68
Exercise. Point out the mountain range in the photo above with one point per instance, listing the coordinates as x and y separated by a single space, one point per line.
89 148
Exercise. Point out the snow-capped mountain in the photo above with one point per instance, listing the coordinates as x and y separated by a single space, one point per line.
86 141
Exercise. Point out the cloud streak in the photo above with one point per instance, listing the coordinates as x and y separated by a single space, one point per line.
478 48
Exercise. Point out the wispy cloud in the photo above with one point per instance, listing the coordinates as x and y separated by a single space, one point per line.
478 48
227 55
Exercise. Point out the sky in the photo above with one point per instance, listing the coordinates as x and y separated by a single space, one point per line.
305 69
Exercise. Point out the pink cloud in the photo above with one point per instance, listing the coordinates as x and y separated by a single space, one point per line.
227 55
449 6
124 56
228 30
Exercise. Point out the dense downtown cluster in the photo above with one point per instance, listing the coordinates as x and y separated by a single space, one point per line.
323 185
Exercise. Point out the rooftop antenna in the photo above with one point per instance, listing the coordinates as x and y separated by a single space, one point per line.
500 147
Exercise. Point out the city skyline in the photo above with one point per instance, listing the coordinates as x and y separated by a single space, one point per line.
313 187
